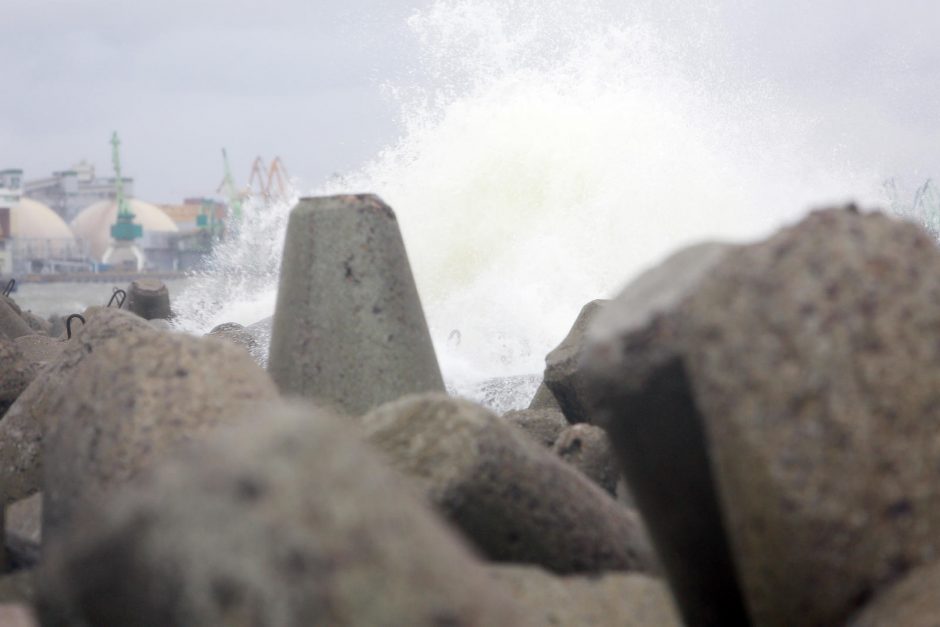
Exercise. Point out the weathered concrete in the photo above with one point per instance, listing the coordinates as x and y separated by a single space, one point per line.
543 425
16 373
132 402
911 602
810 360
17 615
17 588
510 496
39 349
149 299
24 518
23 426
562 372
544 399
12 324
349 329
588 449
236 334
642 398
289 521
610 600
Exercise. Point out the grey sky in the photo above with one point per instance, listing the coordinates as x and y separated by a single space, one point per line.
301 79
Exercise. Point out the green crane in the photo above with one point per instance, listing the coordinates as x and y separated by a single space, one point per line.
124 229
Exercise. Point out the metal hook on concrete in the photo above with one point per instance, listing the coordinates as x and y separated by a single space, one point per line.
118 291
68 324
11 285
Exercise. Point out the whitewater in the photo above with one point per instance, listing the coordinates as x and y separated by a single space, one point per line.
547 154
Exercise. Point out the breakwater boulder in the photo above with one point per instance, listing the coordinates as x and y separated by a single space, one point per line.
236 334
133 401
288 520
563 376
803 369
33 414
348 327
608 600
12 324
510 496
542 425
16 373
587 448
149 299
643 400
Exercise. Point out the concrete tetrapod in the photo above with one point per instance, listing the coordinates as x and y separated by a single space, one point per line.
149 299
31 415
806 367
606 600
348 328
643 402
513 498
289 520
563 377
132 402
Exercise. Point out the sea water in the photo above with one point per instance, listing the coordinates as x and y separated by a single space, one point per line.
549 151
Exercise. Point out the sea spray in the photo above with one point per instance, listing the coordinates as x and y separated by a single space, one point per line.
549 151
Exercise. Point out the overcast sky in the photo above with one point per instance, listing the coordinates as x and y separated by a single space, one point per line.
302 79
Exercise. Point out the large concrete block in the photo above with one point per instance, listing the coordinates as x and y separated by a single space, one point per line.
563 376
16 373
641 397
349 329
809 360
911 602
289 521
132 402
608 600
587 448
26 421
12 324
542 425
510 496
149 299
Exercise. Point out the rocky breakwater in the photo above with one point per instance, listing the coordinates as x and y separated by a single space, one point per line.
176 487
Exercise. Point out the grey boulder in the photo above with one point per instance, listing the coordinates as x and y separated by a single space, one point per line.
510 496
288 520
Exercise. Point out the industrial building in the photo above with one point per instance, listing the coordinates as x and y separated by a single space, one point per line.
35 238
69 191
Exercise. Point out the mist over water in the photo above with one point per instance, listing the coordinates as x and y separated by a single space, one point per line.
549 151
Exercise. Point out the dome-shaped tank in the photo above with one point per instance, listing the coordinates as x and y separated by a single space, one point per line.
39 231
93 224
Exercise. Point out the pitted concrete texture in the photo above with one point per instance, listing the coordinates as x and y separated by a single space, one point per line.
563 376
638 392
810 359
12 324
131 402
39 349
149 299
17 615
349 330
236 334
290 520
23 426
608 600
16 373
511 497
544 399
588 449
912 602
542 425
